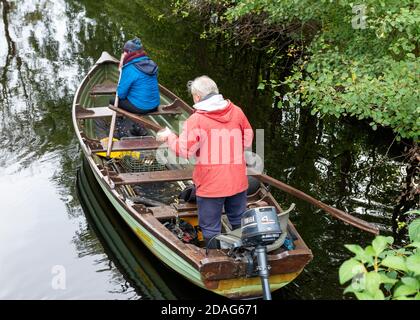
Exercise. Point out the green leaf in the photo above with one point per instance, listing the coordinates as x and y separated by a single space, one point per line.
413 264
351 289
415 244
414 230
349 269
310 68
370 251
386 279
404 290
378 295
363 296
261 86
394 262
359 252
411 282
403 298
372 282
380 243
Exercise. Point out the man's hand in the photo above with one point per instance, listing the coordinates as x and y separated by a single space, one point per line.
163 135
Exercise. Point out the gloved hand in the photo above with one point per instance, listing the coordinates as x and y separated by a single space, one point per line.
163 135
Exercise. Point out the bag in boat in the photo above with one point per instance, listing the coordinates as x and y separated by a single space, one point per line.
188 194
183 230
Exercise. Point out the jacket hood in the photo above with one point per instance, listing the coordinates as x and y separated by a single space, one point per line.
221 115
212 102
145 65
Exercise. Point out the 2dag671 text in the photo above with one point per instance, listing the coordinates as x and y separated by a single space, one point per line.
210 309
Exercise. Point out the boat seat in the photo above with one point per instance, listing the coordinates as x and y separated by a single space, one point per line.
92 113
152 176
104 89
185 206
234 237
169 212
140 143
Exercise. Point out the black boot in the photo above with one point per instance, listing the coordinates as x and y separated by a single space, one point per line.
212 243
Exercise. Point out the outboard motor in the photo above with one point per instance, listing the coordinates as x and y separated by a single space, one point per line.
260 228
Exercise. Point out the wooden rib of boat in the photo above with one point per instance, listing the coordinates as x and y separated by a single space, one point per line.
215 270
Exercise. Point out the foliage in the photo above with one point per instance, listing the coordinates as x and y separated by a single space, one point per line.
380 271
362 64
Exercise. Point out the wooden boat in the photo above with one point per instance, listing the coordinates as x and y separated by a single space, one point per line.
147 214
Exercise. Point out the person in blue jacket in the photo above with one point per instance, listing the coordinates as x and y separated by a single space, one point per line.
138 89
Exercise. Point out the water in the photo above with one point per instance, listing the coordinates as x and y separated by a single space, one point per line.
48 223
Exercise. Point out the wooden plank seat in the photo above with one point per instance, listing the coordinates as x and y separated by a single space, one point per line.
143 143
151 177
104 89
185 206
92 113
168 212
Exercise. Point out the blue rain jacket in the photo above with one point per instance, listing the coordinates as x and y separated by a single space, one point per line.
139 83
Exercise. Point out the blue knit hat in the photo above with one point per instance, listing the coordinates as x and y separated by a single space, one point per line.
133 45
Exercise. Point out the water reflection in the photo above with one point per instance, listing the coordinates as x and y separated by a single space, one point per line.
46 47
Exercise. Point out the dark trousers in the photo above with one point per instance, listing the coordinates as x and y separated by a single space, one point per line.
210 212
128 106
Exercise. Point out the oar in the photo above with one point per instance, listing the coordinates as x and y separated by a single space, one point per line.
114 114
359 223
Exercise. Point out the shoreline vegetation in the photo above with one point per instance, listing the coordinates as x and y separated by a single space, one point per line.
336 58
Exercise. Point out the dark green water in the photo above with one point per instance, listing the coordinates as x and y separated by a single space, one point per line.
49 217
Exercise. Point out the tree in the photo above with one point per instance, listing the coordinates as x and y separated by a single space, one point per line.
349 60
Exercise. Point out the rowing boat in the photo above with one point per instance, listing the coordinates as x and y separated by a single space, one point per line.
144 192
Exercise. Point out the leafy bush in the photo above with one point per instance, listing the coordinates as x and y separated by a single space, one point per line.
381 271
342 67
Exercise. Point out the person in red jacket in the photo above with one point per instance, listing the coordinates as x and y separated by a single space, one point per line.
215 136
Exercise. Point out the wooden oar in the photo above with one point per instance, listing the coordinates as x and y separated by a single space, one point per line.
114 114
137 118
356 222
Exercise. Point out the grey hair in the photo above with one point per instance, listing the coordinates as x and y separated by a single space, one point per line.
203 86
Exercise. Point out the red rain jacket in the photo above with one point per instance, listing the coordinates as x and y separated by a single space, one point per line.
216 139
